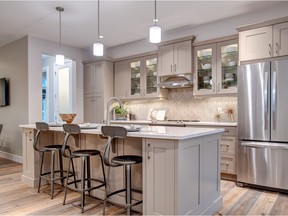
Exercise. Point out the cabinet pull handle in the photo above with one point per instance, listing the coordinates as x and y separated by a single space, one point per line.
227 164
148 151
218 87
213 87
277 48
225 144
30 136
174 67
171 69
270 49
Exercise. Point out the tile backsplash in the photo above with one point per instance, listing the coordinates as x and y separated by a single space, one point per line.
181 104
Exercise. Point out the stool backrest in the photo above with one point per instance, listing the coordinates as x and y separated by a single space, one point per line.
40 126
1 127
69 129
112 132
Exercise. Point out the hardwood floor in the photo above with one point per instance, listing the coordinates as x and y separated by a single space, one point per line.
18 199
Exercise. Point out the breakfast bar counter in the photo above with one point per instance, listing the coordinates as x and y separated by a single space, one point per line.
180 173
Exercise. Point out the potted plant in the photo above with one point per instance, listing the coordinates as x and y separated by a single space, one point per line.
120 114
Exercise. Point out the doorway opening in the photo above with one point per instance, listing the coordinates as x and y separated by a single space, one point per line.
58 88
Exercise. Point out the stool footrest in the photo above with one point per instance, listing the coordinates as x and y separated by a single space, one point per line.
123 190
48 178
86 189
124 204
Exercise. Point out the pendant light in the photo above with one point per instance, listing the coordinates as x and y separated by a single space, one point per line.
60 57
98 46
155 31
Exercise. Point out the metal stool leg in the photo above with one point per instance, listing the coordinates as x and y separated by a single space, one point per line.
83 184
128 187
67 177
106 189
103 171
73 169
41 167
88 174
61 167
52 172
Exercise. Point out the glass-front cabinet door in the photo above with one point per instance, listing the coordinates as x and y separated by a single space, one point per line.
216 68
135 77
227 63
150 76
205 69
143 77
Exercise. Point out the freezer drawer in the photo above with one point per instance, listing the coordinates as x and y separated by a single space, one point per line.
263 163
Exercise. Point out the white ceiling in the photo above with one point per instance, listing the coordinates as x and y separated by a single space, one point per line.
120 21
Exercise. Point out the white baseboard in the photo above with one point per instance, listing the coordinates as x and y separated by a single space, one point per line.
12 157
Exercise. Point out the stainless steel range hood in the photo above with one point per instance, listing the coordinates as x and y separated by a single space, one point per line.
180 81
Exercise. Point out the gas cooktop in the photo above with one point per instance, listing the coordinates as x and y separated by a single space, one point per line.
182 121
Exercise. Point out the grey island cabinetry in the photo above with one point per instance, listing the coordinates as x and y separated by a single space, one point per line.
180 173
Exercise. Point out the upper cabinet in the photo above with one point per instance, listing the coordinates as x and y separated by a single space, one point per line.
216 68
93 78
98 88
263 42
137 78
175 58
280 35
121 80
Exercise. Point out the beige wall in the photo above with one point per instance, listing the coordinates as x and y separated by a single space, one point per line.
21 64
14 66
182 105
37 47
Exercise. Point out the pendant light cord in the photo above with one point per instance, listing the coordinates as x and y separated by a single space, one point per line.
60 10
98 19
155 20
60 27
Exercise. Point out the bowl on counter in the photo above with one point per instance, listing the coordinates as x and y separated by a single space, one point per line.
231 63
67 117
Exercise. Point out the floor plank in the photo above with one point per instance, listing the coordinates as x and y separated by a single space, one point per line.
19 199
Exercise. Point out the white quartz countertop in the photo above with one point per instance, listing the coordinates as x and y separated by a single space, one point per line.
155 132
201 123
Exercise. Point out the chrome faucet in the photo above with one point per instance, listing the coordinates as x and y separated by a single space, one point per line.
108 106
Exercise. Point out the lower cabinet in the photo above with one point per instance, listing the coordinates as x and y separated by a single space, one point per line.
228 145
160 177
182 177
94 108
228 151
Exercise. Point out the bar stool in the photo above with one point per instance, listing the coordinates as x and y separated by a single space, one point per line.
84 154
113 132
52 149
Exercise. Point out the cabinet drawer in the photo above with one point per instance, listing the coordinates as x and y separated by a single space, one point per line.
230 131
228 145
228 164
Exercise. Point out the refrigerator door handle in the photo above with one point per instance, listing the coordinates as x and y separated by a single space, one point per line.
266 100
264 145
274 100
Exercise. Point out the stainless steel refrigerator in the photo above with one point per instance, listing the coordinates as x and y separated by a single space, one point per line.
263 123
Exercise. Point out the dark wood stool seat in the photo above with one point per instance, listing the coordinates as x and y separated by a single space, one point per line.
127 159
85 153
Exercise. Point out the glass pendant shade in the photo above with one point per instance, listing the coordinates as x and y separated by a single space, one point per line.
60 59
155 34
98 49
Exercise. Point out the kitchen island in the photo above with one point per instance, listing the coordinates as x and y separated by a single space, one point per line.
180 173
